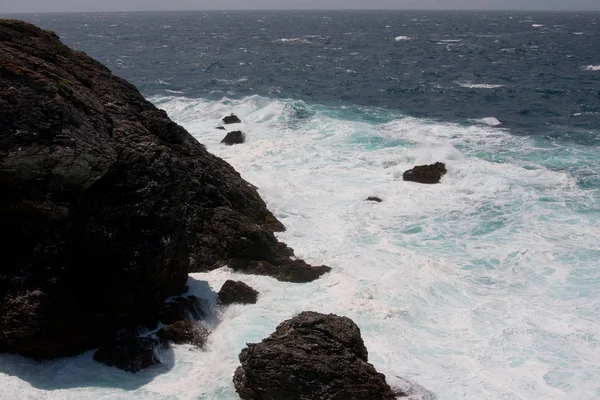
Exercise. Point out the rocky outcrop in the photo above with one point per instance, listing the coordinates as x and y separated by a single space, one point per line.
236 292
231 119
106 203
374 198
288 271
234 137
311 356
184 332
131 354
426 173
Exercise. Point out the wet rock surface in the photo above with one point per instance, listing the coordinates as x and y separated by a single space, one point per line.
426 173
237 292
184 332
106 203
310 356
231 119
234 137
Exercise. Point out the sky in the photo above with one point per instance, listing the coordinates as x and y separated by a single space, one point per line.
17 6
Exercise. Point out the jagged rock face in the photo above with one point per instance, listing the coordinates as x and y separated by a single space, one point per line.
237 292
106 203
426 173
311 356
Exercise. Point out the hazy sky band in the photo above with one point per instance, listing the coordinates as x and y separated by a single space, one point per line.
17 6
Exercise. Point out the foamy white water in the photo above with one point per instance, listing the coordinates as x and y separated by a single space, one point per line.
592 68
471 85
482 287
490 121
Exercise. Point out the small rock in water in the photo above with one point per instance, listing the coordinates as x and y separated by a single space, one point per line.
231 119
184 332
311 356
374 198
235 137
237 292
426 173
131 354
221 128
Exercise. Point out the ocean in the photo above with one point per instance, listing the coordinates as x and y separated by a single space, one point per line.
485 286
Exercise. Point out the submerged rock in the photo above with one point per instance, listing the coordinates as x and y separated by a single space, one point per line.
234 137
426 173
237 292
231 119
131 354
106 203
184 332
311 356
374 198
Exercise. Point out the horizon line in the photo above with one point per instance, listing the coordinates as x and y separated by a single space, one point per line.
306 9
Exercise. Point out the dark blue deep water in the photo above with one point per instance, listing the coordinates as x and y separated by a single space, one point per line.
532 71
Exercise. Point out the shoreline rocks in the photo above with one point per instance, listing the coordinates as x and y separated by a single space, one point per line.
106 203
310 356
184 332
233 292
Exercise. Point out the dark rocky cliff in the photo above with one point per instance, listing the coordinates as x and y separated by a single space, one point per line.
105 203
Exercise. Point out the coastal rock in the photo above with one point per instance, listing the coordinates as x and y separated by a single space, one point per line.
131 354
184 332
222 128
234 137
237 292
181 308
311 356
106 203
426 173
296 271
231 119
374 198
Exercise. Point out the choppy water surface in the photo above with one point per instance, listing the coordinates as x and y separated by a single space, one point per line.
485 286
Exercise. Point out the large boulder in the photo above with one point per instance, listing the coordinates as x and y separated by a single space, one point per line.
311 356
106 203
426 173
236 292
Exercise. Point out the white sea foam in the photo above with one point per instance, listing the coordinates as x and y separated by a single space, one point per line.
490 121
537 25
482 287
592 68
401 38
293 41
471 85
